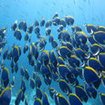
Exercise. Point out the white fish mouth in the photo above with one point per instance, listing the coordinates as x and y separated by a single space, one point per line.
82 64
95 54
87 57
91 32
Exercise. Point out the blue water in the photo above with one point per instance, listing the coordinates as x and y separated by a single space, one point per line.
83 11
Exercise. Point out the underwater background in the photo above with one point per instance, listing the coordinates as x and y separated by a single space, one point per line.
83 11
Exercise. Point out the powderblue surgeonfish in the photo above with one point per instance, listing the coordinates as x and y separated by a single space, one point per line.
14 26
32 83
99 36
81 93
44 57
22 26
95 49
64 86
42 23
91 90
5 96
20 97
64 52
16 52
102 98
60 99
90 75
75 28
37 101
39 93
69 20
5 76
63 70
101 58
18 34
74 99
101 28
45 100
94 63
80 37
91 28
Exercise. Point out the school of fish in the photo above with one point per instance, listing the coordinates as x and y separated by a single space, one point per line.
76 62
